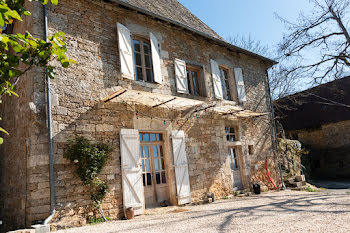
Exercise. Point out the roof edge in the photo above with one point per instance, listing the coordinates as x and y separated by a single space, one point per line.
221 42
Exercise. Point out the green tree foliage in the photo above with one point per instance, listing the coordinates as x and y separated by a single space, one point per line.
21 52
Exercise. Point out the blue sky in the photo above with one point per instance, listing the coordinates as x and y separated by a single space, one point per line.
254 17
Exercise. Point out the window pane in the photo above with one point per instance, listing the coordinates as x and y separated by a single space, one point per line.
149 75
138 59
155 151
148 165
162 165
141 151
195 83
153 137
146 48
139 73
148 61
145 152
136 45
158 177
189 82
140 137
144 179
149 179
231 138
157 136
160 137
233 158
146 137
143 165
156 165
163 178
160 151
228 93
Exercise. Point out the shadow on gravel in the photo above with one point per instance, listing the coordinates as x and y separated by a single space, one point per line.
276 204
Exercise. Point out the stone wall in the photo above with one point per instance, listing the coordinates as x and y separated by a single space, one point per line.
17 115
329 147
333 135
90 28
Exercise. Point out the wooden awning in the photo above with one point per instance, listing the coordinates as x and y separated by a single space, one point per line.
157 100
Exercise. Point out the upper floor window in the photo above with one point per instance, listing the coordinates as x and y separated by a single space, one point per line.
143 60
225 84
231 134
193 79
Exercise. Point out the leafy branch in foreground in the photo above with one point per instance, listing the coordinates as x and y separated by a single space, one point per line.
19 53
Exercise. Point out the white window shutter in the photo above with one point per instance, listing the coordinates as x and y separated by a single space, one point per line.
181 168
156 59
216 79
133 195
125 52
181 76
240 85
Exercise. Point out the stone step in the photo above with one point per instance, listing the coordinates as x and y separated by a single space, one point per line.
300 178
296 184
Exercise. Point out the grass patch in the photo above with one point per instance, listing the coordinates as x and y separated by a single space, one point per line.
94 221
309 189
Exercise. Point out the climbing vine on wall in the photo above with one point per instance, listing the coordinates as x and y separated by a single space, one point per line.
90 159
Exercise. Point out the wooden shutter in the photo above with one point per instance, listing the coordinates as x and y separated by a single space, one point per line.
125 52
216 79
240 85
133 195
181 76
156 59
181 168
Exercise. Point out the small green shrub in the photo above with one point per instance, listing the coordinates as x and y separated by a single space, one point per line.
94 221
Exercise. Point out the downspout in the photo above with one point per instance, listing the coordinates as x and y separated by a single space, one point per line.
49 126
274 130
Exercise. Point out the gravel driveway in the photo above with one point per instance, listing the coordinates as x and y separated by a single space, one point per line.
285 211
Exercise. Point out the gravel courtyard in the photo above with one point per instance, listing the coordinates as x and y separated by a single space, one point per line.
285 211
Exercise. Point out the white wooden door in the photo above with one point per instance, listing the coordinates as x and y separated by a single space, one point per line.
236 173
131 170
181 168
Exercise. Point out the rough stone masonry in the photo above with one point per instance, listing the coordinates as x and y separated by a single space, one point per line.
91 30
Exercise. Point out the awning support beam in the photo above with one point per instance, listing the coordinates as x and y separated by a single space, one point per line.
114 96
165 102
230 113
203 109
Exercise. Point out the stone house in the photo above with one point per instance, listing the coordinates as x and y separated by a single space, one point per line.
320 118
186 112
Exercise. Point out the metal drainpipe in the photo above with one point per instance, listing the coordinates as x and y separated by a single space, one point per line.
274 127
49 125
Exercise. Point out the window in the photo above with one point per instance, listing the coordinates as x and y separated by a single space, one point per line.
194 86
143 60
233 158
231 134
153 168
251 149
226 93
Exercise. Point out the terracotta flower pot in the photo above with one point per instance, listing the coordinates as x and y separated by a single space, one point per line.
129 213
